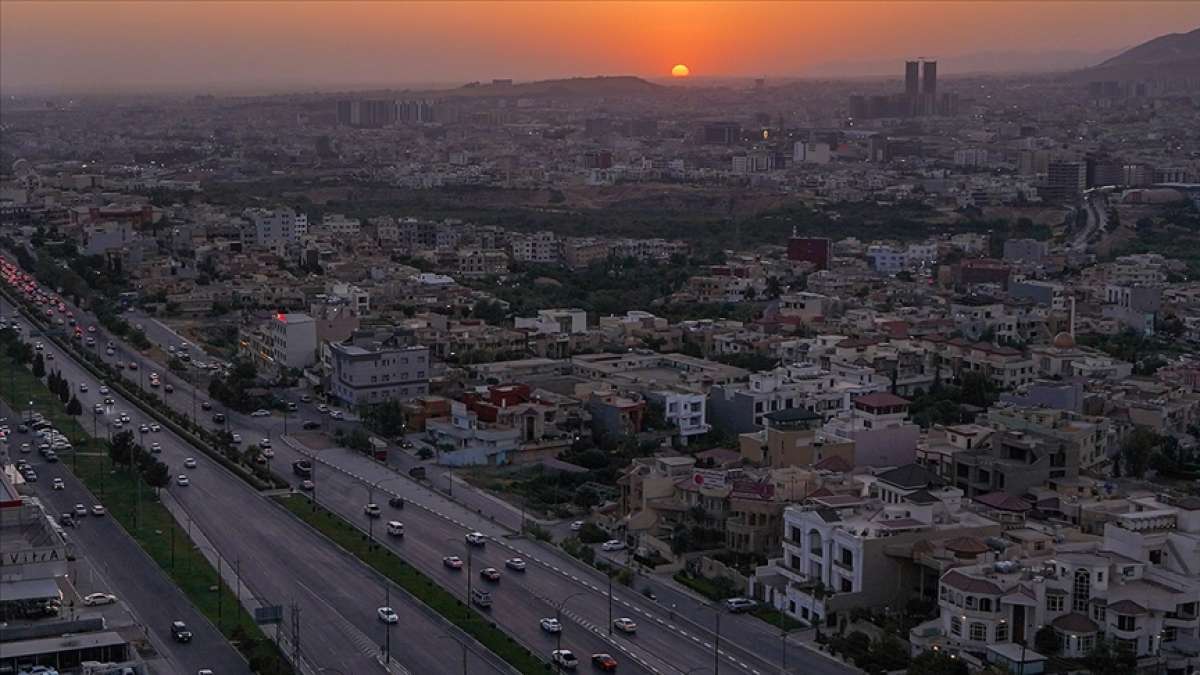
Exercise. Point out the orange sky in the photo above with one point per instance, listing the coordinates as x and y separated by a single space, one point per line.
175 43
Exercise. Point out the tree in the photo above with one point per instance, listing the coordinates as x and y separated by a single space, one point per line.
39 366
681 540
120 448
1109 659
74 407
586 497
156 475
359 441
1137 450
1045 641
936 663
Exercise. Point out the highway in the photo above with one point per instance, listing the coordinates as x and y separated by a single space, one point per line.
283 561
677 625
129 573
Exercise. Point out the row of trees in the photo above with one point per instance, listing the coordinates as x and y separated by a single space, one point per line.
124 451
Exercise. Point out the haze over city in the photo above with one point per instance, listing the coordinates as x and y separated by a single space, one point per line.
271 46
707 338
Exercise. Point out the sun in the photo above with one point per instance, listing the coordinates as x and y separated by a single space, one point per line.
680 70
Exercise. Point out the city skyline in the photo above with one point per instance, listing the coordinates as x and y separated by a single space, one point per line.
252 46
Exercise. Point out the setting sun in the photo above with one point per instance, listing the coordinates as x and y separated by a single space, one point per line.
680 71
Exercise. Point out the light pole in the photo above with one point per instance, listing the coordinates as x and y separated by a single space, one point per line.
387 627
217 586
558 617
460 644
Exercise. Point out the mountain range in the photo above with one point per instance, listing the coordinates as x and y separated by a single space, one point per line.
1167 57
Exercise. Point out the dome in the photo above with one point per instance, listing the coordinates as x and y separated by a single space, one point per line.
1064 340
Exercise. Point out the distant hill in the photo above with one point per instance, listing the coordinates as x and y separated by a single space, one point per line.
618 85
1167 57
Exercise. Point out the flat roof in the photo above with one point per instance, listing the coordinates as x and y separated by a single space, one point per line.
24 648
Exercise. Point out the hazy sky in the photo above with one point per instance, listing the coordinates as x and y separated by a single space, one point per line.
181 44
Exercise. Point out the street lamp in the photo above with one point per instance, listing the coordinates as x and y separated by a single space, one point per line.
220 595
461 644
558 617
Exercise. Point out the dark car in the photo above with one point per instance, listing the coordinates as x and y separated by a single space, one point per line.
180 632
302 468
309 425
490 574
417 472
396 502
218 418
205 405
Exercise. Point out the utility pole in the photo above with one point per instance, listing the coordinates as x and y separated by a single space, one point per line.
237 573
220 595
717 646
295 636
387 628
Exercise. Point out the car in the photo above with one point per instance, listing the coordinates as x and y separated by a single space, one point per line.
604 662
189 463
739 605
182 480
116 424
93 599
26 448
80 510
302 468
395 528
517 564
98 510
58 484
66 520
144 428
205 405
169 389
156 448
613 545
310 425
261 413
337 415
110 352
98 409
625 625
406 445
307 485
154 382
453 562
476 538
218 418
264 443
550 625
259 459
103 390
322 408
489 574
49 356
110 401
125 418
305 398
22 429
577 526
180 632
83 387
388 615
564 658
396 502
236 437
292 407
372 510
267 452
91 329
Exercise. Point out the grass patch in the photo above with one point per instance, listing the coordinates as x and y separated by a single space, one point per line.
713 590
415 582
774 616
137 508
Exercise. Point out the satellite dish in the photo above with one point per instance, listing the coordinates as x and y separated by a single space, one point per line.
22 168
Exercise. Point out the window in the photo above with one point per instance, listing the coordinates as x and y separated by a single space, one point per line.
970 602
1098 613
1100 577
1087 643
985 604
1169 633
1081 590
1054 603
978 631
1002 632
956 626
1126 622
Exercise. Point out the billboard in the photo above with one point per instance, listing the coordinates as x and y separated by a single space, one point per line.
708 478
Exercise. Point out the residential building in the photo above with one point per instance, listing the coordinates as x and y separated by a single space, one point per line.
374 366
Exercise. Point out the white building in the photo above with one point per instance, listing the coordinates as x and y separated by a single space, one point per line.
340 226
684 410
373 367
810 153
572 321
271 227
292 339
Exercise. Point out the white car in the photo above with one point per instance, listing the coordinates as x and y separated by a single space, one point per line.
98 510
625 625
267 452
322 408
476 539
93 599
155 428
189 463
83 387
98 409
80 510
577 526
264 443
551 625
564 658
613 545
155 448
388 615
337 415
182 480
261 413
103 390
517 564
58 484
237 438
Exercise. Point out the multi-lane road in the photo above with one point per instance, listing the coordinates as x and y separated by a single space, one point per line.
283 561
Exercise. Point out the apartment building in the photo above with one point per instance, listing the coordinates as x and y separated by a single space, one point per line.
846 551
374 366
742 407
269 228
572 321
685 411
1004 366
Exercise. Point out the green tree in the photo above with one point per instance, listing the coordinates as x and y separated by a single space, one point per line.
586 497
1137 450
936 663
359 441
120 448
156 475
74 407
39 366
1109 659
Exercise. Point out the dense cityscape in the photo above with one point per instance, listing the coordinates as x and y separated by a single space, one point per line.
607 373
